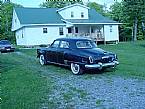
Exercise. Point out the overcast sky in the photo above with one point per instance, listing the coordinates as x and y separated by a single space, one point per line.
35 3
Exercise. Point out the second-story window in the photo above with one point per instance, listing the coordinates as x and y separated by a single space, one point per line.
44 30
82 14
72 14
110 28
15 20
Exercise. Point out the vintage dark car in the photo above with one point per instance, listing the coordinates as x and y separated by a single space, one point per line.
6 46
79 54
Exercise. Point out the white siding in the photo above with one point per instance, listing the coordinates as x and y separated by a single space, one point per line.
20 37
15 22
35 36
66 13
111 36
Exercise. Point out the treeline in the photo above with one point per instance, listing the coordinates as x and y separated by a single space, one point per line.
6 11
131 13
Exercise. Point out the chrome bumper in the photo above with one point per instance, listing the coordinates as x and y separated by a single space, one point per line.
101 65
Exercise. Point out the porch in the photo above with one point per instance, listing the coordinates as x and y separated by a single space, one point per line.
95 32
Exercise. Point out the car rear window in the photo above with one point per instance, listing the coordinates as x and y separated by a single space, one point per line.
84 44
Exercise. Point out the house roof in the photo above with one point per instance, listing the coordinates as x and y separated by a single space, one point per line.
38 15
50 16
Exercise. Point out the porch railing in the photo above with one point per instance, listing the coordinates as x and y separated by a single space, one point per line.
94 36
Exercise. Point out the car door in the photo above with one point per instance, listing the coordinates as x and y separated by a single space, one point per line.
62 50
52 52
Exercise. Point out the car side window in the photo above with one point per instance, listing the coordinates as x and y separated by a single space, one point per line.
55 44
64 44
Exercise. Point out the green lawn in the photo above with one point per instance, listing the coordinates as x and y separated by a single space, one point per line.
24 84
131 57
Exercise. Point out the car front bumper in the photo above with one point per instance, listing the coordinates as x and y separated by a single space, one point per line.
101 65
7 50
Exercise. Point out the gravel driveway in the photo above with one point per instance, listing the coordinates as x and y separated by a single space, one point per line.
93 91
98 92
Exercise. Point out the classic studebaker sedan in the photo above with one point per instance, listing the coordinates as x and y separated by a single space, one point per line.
79 54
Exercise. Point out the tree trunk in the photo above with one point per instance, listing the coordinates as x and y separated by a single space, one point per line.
135 28
132 35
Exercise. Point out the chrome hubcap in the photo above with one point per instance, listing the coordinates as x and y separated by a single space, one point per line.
75 68
41 59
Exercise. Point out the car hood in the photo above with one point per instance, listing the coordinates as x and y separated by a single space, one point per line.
94 52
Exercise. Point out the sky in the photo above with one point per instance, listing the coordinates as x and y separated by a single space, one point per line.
35 3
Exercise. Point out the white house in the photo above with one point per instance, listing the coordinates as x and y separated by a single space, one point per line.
36 26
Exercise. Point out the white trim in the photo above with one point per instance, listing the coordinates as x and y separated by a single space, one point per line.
26 25
98 23
42 24
77 4
90 23
66 21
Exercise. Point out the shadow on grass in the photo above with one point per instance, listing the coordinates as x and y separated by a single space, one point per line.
142 45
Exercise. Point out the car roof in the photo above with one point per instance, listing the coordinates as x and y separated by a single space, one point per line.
73 38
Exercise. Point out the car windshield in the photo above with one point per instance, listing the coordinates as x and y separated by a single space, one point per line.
4 42
86 44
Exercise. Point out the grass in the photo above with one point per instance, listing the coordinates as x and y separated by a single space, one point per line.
131 57
23 87
26 85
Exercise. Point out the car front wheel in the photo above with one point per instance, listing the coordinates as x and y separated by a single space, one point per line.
42 60
76 69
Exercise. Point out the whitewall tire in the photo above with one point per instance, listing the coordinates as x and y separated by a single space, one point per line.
76 69
42 60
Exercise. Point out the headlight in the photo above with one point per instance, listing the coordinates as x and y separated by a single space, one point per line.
91 59
115 56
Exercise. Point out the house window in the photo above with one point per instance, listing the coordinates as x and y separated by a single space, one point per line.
15 20
22 35
82 14
110 28
60 30
76 30
72 14
92 30
69 30
44 30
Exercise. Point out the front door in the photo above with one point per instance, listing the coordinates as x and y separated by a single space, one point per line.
63 48
52 52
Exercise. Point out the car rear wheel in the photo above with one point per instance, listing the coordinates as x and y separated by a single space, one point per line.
76 69
42 60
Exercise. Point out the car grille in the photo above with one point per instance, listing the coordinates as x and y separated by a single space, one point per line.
105 60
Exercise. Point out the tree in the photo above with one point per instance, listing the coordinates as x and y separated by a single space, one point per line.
125 14
135 10
59 3
97 7
116 14
6 11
